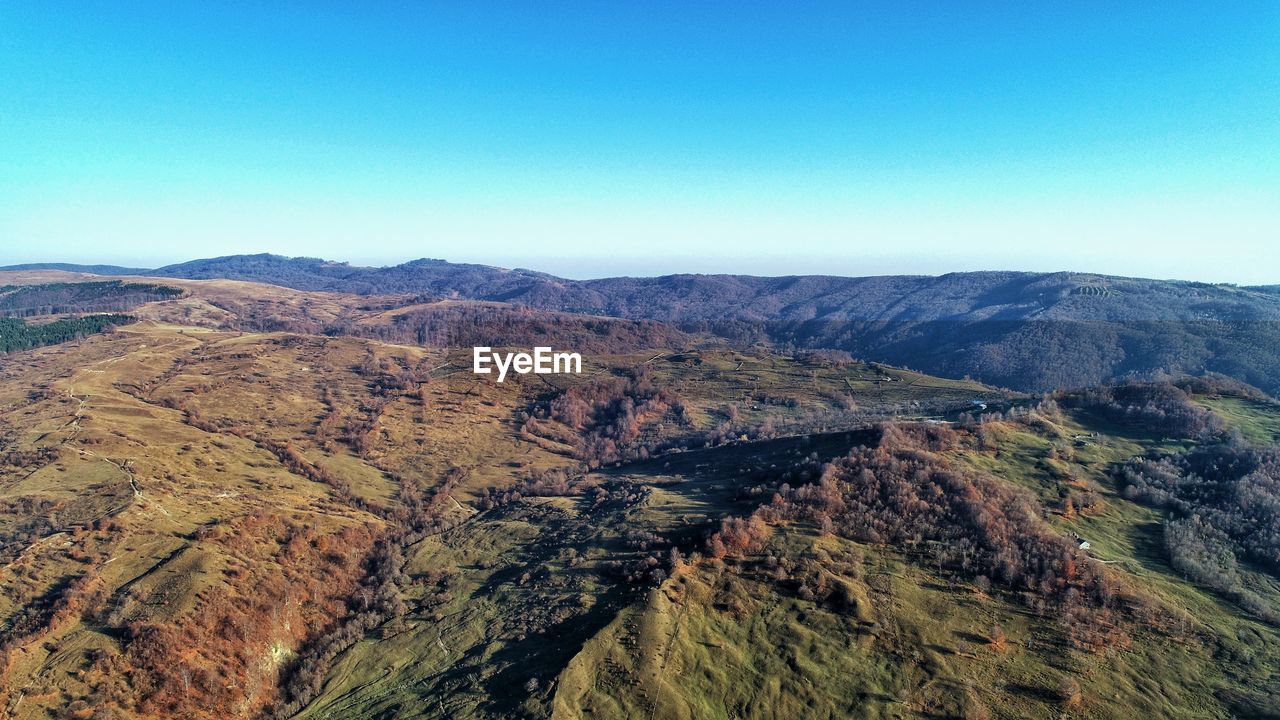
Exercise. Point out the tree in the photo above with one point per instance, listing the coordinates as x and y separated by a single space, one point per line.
1069 692
997 638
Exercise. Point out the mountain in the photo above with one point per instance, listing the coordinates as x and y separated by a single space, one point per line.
1026 331
439 277
987 296
252 502
72 267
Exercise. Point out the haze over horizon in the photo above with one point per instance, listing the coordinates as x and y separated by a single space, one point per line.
590 141
687 267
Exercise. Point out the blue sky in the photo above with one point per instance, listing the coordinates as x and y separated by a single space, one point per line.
607 138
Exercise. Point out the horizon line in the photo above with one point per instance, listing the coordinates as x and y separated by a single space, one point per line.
66 267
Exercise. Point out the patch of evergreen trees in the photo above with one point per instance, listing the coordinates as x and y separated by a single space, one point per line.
79 297
16 334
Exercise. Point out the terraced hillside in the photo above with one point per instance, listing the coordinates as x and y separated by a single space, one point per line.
204 515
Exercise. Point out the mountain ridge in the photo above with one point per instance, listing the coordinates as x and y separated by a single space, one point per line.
209 265
1025 330
249 501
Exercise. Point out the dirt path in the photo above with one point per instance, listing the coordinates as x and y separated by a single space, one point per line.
96 381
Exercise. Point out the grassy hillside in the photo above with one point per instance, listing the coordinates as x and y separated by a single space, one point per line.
199 519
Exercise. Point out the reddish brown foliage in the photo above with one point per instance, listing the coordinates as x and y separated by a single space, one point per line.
739 536
898 492
605 417
219 659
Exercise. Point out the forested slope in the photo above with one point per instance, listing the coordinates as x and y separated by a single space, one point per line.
1028 331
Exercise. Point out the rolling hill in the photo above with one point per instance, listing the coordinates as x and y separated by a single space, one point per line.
248 503
1026 331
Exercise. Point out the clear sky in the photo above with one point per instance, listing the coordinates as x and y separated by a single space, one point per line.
598 138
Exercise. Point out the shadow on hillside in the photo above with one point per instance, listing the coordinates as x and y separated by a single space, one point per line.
543 656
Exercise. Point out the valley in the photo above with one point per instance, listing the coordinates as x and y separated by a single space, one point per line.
250 501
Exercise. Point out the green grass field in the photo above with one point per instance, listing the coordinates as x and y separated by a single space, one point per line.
534 624
1258 422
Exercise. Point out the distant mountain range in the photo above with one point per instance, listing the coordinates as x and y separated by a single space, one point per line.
73 267
1029 331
